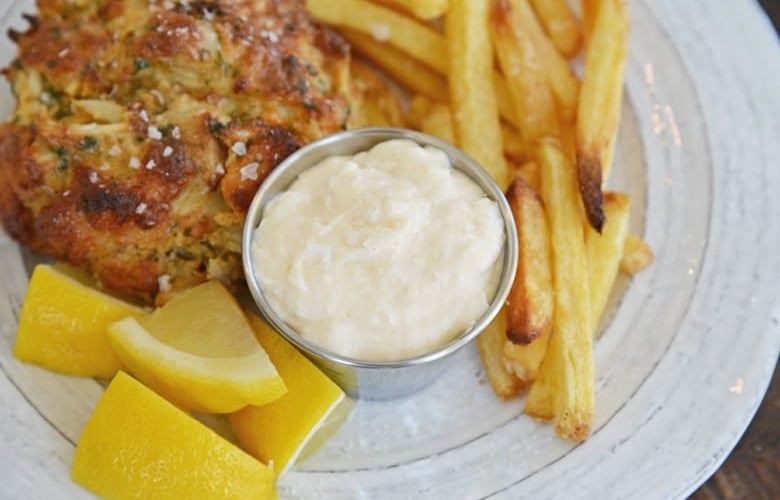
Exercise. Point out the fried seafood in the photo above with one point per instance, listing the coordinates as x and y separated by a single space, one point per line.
143 129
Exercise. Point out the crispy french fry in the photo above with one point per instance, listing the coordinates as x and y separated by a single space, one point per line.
528 87
435 118
472 91
637 255
561 25
419 41
588 8
544 398
523 361
418 107
529 306
505 108
491 344
410 73
514 145
564 387
375 103
529 171
560 76
432 117
412 37
598 113
605 251
423 9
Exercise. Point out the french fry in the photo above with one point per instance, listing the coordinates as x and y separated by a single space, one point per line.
528 87
514 145
529 171
523 361
423 9
561 25
564 387
637 255
544 399
605 251
529 306
560 77
433 118
418 108
598 113
472 91
505 108
410 73
419 41
491 344
588 8
412 37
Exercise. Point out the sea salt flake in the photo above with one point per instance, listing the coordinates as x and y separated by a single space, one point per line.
134 162
150 164
141 208
176 133
168 151
164 283
115 150
249 171
239 148
154 133
270 36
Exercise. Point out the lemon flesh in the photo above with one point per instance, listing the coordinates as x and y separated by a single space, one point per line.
199 352
62 326
137 445
296 424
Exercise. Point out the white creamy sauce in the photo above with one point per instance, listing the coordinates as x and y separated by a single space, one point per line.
382 256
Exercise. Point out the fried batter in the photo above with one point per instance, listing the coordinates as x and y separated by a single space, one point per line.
143 129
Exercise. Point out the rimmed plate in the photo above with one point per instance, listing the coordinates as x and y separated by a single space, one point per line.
685 354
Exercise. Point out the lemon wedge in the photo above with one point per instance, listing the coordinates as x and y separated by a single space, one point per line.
62 325
199 352
137 445
298 423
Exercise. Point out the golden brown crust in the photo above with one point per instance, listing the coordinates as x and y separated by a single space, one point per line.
589 171
530 301
266 147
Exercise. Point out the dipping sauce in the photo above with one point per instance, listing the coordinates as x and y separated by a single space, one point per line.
381 256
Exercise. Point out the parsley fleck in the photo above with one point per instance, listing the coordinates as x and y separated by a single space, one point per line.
215 127
62 158
88 143
141 64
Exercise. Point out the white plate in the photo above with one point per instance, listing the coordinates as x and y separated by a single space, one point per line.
686 353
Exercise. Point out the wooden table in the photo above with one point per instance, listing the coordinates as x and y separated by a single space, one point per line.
752 471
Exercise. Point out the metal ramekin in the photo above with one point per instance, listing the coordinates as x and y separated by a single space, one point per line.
377 379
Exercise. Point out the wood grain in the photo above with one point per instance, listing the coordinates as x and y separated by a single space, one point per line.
752 471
